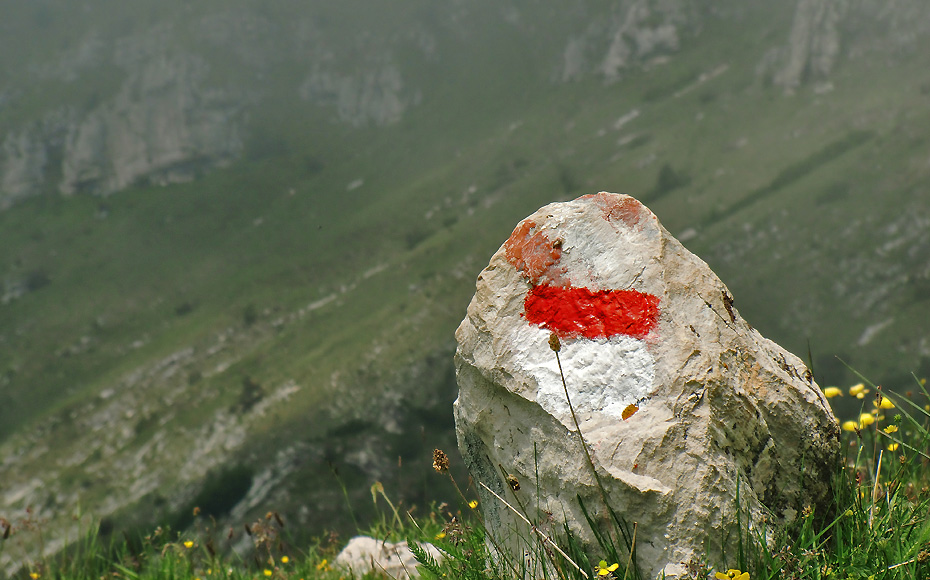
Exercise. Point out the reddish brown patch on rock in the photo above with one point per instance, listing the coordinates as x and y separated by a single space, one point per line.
618 208
572 312
532 252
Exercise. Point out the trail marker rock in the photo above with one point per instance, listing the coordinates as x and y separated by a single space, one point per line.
680 401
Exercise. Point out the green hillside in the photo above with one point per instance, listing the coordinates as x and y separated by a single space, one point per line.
275 301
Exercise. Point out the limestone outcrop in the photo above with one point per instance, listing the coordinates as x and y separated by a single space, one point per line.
377 96
825 32
813 44
679 400
633 32
160 127
163 126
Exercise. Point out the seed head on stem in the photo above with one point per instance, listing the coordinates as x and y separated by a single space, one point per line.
554 343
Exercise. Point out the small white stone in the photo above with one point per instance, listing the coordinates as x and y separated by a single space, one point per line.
364 554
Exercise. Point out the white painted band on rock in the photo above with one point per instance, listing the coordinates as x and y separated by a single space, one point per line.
602 376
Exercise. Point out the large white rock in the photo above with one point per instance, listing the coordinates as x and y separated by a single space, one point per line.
645 327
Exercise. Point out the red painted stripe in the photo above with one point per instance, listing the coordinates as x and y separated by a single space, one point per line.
571 312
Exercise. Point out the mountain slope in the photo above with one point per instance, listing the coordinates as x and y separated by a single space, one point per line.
237 242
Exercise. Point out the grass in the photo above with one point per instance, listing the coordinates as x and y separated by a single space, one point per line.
877 527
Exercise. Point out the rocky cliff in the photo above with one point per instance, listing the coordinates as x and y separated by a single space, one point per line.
632 32
823 31
170 102
176 99
163 124
173 100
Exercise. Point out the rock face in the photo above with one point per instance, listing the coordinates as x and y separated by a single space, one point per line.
160 127
634 31
814 42
679 400
377 96
823 32
163 126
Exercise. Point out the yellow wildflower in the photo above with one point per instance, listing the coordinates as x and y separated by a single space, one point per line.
893 447
440 535
188 544
285 559
323 565
891 429
857 390
603 569
885 403
732 574
866 419
849 426
34 575
831 392
267 572
473 504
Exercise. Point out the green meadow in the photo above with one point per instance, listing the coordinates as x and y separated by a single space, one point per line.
875 527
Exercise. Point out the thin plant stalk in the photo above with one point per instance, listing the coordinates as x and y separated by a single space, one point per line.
556 346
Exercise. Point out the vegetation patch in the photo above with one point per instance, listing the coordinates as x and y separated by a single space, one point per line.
876 527
797 171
